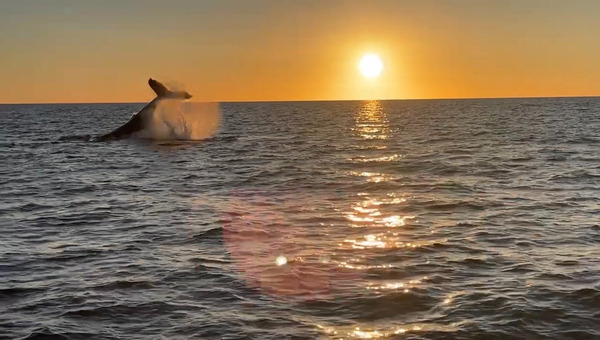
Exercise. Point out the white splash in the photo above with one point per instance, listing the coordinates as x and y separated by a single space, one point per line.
175 119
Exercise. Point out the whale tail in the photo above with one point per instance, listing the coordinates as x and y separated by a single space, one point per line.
162 91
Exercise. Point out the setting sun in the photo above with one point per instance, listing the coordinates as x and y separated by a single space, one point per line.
370 65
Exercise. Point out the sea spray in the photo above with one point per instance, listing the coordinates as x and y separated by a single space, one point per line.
179 120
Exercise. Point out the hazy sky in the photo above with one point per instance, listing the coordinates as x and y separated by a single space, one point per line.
224 50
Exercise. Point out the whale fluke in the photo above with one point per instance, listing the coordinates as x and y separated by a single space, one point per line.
162 92
159 89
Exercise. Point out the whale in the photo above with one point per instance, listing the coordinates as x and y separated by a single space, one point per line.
139 121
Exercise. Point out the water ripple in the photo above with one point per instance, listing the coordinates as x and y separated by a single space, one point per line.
344 220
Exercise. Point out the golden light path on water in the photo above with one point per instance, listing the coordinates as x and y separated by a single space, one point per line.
378 226
288 260
350 332
372 126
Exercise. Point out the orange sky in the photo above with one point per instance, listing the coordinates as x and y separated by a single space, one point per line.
239 50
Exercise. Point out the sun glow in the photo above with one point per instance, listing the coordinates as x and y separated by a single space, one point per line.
370 65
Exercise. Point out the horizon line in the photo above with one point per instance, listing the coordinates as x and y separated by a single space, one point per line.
315 100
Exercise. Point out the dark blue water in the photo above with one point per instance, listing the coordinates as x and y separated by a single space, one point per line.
452 219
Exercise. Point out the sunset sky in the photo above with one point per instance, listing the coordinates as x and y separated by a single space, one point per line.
241 50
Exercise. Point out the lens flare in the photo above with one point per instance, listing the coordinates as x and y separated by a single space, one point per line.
281 261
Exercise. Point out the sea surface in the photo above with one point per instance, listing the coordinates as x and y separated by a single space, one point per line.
432 219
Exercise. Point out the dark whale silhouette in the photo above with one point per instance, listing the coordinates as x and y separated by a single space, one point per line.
139 120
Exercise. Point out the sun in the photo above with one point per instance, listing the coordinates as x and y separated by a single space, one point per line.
370 65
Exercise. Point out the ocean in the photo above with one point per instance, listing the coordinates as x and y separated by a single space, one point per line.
416 219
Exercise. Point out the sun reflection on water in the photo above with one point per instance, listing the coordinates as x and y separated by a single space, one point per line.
397 285
273 252
379 225
363 159
367 213
385 240
378 332
374 177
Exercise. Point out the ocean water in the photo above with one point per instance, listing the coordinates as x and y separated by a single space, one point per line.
447 219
